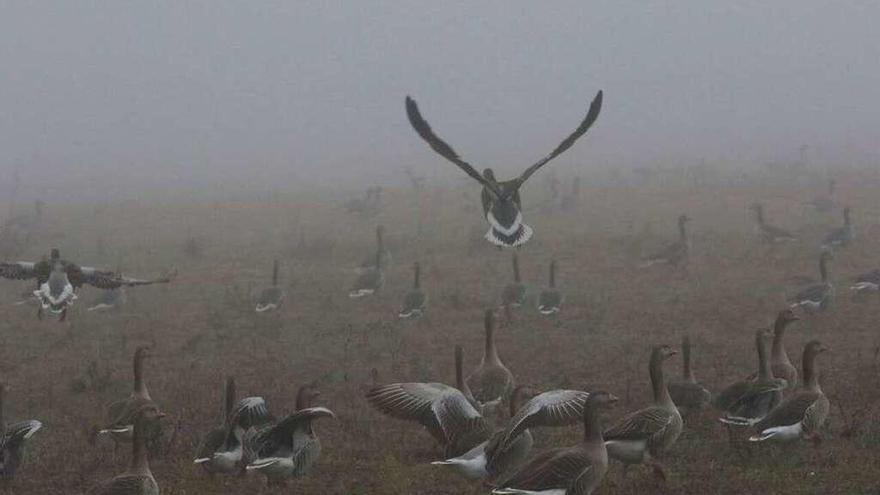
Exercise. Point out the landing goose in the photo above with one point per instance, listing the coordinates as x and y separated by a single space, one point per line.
576 470
640 437
13 438
416 300
271 297
290 447
514 294
802 414
491 459
816 297
674 253
869 281
220 450
58 279
384 254
370 280
122 414
109 299
747 402
491 382
687 394
443 410
840 236
138 479
769 233
502 207
550 300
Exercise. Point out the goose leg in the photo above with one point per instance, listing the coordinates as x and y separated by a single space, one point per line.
659 471
63 315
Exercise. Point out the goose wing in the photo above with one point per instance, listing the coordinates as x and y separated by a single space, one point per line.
552 408
592 115
103 279
791 411
640 425
122 414
280 436
16 434
424 130
250 412
554 469
24 270
872 277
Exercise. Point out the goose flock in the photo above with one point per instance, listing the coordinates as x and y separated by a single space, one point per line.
484 425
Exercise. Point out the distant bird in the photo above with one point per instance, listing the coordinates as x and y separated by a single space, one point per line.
57 280
824 204
13 437
550 300
367 206
869 281
415 301
109 299
514 294
687 394
501 202
769 233
290 447
491 383
121 414
841 236
803 414
575 470
817 297
384 254
138 479
642 436
372 279
746 402
675 253
271 297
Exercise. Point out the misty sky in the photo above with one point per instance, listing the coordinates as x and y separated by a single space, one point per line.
238 94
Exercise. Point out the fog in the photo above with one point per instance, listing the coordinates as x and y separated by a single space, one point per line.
120 97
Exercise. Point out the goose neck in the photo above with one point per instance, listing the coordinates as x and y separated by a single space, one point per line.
229 397
490 353
592 424
658 381
687 372
140 388
516 277
764 370
417 277
139 462
811 374
778 350
552 274
823 269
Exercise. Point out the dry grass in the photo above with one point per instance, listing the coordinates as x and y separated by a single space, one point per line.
203 328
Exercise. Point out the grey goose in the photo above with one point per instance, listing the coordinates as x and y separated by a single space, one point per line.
121 414
869 281
415 301
491 383
271 297
769 233
373 278
13 437
687 394
675 253
816 297
840 236
385 257
502 207
746 402
58 279
575 470
138 479
550 299
513 295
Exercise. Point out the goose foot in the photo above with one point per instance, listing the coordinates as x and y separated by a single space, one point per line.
659 471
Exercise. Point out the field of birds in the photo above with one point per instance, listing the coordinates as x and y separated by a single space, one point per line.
202 327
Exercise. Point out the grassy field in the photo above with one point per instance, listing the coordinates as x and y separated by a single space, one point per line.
203 328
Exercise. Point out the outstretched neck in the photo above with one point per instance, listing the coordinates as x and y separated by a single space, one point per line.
592 424
490 354
778 351
823 269
765 372
140 388
552 274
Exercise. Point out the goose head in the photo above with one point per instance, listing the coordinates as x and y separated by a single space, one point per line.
307 395
489 175
602 398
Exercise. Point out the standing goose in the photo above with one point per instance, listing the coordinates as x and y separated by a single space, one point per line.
370 280
271 297
867 281
674 253
550 300
13 438
514 294
779 361
290 447
640 437
416 300
840 236
384 254
490 460
491 382
122 414
818 296
443 410
576 470
747 402
769 233
687 394
501 202
138 479
802 414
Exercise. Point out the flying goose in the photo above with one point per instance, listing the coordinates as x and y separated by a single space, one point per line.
443 410
747 402
687 394
818 296
769 233
514 294
138 479
371 280
674 253
841 236
384 254
641 436
220 451
290 447
58 279
491 382
491 459
867 281
109 299
13 438
416 300
576 470
501 202
122 414
802 414
550 300
271 297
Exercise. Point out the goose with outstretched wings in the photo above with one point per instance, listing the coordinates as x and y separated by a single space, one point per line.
501 201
